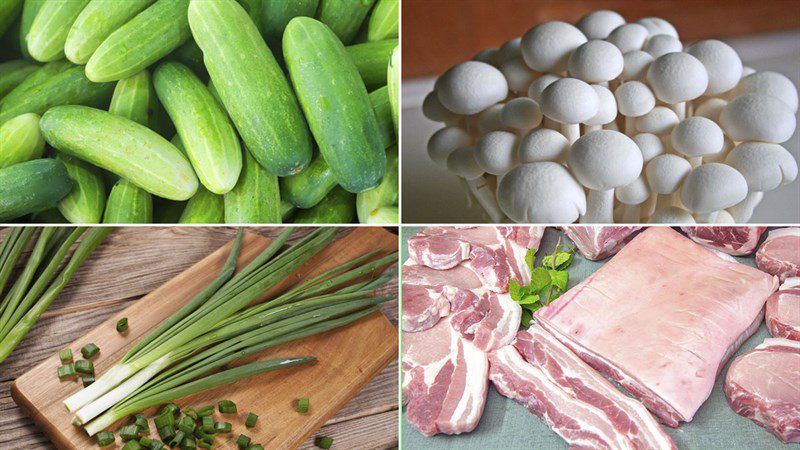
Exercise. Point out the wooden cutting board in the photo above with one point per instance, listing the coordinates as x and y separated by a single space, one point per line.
348 357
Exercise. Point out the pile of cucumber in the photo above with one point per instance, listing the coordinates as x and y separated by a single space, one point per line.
199 111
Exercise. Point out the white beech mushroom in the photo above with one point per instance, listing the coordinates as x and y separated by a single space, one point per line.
521 113
661 44
672 215
711 188
491 119
727 146
470 87
769 83
634 99
650 145
487 56
628 37
518 75
677 78
657 25
758 117
509 50
696 137
543 192
632 195
722 63
606 111
635 64
496 152
483 189
765 167
599 24
569 101
595 62
535 92
725 218
547 46
711 108
543 145
665 174
659 121
444 141
461 162
602 161
433 109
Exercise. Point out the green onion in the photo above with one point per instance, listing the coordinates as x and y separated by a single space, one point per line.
323 442
188 443
165 419
255 447
205 411
243 441
129 432
170 408
227 407
66 371
105 438
251 420
186 425
132 445
146 441
89 351
141 423
122 325
87 380
222 427
178 439
65 355
302 405
189 411
84 366
156 445
205 444
166 433
207 424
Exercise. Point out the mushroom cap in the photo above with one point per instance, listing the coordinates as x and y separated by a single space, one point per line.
672 214
697 136
607 109
758 117
633 193
724 217
595 62
542 145
522 113
770 83
657 25
659 121
518 75
547 46
634 99
650 145
491 119
677 77
711 108
635 65
496 152
599 24
666 172
487 56
543 192
444 141
509 50
628 37
713 187
605 159
539 85
764 166
727 146
433 109
661 44
470 87
722 63
461 162
570 101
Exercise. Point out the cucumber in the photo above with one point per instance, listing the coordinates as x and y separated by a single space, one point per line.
29 10
287 210
254 90
52 215
121 146
256 198
87 199
133 97
337 207
20 140
393 81
50 27
95 23
32 186
310 186
12 73
335 103
383 113
204 207
9 10
37 78
276 14
385 194
148 37
205 131
371 60
128 203
190 55
68 87
384 22
344 17
253 9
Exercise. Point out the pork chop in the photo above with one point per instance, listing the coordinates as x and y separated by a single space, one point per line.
779 254
736 241
783 310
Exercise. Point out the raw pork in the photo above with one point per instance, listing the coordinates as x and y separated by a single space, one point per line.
489 320
783 310
764 386
445 379
596 242
661 318
736 241
780 253
427 293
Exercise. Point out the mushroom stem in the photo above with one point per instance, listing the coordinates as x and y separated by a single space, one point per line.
696 161
665 200
572 131
630 126
482 190
465 185
743 211
550 123
680 109
648 207
706 217
588 128
599 207
631 214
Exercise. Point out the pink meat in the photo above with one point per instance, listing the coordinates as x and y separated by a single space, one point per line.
779 254
764 386
599 242
459 277
783 311
736 241
423 306
660 318
489 320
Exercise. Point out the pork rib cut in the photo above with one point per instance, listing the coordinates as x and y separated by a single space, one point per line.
599 242
661 318
764 386
427 293
783 310
779 254
736 241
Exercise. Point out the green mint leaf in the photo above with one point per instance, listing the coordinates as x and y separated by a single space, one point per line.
530 258
515 290
529 299
560 279
540 279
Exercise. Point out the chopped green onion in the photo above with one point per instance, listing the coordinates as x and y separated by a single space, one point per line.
189 411
222 427
66 372
243 441
165 419
105 438
186 425
132 445
156 445
122 325
205 411
208 424
84 366
89 350
65 355
176 441
170 408
255 447
141 423
146 441
323 442
87 380
302 405
251 420
166 433
129 432
205 444
188 443
227 407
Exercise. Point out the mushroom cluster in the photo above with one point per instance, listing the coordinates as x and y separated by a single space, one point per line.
608 121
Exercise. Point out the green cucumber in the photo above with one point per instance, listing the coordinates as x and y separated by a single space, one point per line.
287 210
384 22
335 103
12 73
9 10
383 113
385 194
204 207
253 9
310 186
20 140
128 203
253 89
121 146
32 186
393 81
86 201
276 14
337 207
344 17
256 197
70 87
190 55
52 215
50 27
148 37
29 10
371 60
205 131
95 23
133 97
37 78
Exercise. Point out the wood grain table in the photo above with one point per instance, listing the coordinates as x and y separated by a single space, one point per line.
129 264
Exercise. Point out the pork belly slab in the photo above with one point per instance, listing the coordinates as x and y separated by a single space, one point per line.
783 310
599 242
661 318
736 241
779 254
764 386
